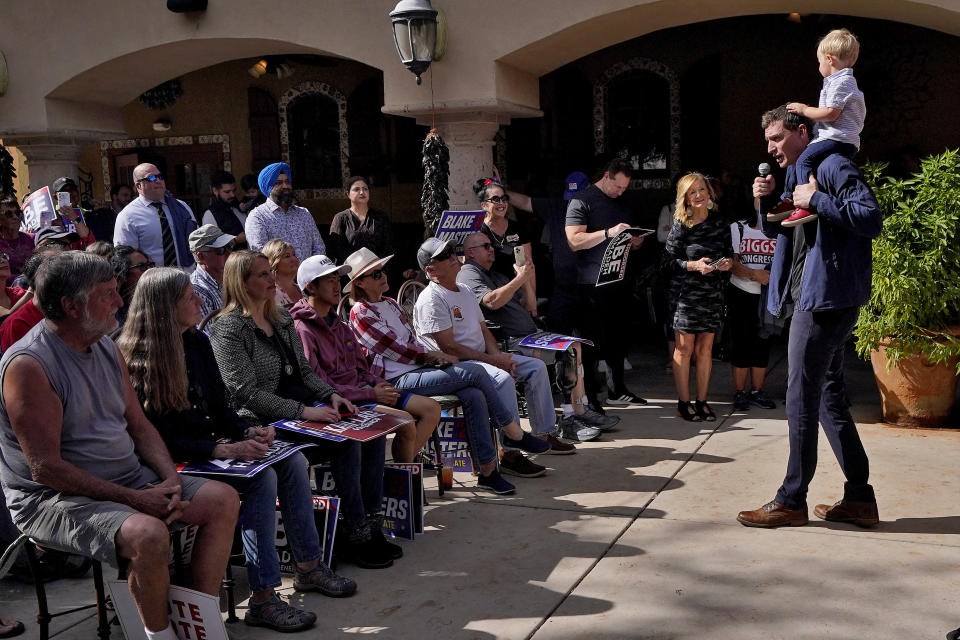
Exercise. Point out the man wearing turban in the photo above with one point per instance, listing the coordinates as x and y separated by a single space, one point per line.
279 217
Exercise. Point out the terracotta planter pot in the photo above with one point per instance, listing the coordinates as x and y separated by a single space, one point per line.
914 392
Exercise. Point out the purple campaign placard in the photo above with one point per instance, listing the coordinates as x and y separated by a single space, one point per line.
551 341
454 226
277 451
454 444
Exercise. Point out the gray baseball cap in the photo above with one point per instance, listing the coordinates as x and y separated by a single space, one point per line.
208 236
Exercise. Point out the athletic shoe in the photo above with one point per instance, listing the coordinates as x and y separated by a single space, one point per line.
800 216
625 399
600 421
781 211
514 463
558 447
760 399
573 428
741 401
528 443
495 483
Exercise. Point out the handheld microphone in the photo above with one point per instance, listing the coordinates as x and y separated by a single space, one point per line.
764 170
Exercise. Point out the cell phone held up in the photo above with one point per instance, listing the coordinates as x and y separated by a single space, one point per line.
520 255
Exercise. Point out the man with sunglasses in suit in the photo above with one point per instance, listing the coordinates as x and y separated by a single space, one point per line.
155 222
211 247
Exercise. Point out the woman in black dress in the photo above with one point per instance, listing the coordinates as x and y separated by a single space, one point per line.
697 251
504 234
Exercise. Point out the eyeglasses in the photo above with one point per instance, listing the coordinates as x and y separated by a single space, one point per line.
219 250
4 257
485 245
376 275
143 266
152 178
498 199
443 256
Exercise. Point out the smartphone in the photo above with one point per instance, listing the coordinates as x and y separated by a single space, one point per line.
63 199
520 255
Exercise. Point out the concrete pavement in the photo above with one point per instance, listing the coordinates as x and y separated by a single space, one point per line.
635 537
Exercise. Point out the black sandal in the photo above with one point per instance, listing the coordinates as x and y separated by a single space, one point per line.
686 411
705 412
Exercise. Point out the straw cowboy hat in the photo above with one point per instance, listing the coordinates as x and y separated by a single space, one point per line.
361 262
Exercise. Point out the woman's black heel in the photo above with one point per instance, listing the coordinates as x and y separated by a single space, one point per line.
705 412
686 411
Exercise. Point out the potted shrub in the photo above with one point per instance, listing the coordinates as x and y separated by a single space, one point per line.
909 326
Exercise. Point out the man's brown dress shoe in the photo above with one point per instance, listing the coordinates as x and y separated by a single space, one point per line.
862 514
774 514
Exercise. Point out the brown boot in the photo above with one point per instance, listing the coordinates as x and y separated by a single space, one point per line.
862 514
774 514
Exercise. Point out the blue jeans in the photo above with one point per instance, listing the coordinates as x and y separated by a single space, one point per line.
481 403
816 394
811 158
289 481
532 372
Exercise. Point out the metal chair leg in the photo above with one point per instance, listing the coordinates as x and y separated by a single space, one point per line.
438 461
103 620
43 613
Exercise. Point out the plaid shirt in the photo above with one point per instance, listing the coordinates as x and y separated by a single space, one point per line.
379 341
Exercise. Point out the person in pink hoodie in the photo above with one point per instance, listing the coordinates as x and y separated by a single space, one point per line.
333 353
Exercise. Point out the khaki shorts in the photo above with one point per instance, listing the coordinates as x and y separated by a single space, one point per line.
82 525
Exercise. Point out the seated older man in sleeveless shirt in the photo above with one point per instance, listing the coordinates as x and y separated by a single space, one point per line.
83 470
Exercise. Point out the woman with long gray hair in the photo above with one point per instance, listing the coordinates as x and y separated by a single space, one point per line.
174 372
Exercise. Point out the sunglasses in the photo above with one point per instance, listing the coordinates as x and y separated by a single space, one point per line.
143 266
220 250
485 245
376 275
498 199
153 178
443 256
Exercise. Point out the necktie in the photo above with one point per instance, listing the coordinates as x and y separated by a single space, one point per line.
169 249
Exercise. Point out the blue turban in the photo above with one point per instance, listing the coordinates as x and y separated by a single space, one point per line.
268 177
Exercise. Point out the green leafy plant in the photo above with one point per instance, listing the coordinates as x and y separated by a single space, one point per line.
916 263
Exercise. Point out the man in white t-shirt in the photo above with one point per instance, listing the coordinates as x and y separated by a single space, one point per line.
448 318
749 345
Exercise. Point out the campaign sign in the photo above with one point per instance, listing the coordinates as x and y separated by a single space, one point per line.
399 501
277 451
417 495
38 210
193 615
397 504
551 341
186 537
295 428
457 225
362 426
454 444
326 510
613 265
71 226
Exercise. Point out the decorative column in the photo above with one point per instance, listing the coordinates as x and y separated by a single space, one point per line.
50 156
469 136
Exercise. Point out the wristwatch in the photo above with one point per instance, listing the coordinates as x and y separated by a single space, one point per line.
606 234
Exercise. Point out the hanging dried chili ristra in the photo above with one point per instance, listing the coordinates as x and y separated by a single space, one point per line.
435 198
